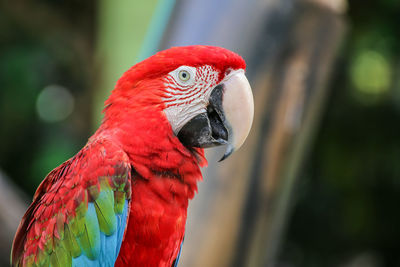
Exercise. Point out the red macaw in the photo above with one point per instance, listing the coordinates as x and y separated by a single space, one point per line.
122 199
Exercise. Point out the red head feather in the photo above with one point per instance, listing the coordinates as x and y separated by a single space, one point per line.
170 59
146 76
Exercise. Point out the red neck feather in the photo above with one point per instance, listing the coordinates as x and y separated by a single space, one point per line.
134 117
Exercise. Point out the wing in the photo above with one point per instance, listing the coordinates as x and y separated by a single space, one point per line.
79 212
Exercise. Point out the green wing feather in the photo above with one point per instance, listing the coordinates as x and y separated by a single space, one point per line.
75 204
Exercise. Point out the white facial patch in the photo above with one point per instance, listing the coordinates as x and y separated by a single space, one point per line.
187 93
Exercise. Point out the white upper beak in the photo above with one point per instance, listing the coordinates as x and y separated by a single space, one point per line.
238 106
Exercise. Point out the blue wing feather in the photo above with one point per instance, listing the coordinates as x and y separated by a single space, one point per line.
121 221
109 245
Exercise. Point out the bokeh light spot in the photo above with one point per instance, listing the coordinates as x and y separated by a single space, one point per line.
54 103
370 73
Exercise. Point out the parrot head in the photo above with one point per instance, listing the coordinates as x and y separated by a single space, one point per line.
202 91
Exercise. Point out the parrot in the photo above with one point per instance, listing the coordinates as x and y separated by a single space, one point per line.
122 199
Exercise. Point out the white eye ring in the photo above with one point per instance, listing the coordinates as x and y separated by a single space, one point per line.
184 75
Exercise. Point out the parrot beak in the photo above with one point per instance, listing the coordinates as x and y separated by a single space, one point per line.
238 108
228 118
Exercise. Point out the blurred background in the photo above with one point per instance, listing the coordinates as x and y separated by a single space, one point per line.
317 183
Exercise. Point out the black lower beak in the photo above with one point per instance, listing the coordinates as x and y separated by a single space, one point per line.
209 128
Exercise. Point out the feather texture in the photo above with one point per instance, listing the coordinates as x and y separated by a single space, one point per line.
73 217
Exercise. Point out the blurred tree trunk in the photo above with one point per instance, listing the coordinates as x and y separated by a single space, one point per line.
301 81
238 217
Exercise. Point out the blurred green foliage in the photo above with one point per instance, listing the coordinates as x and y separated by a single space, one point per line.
42 44
73 49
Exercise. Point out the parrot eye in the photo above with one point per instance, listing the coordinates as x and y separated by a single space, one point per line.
184 75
